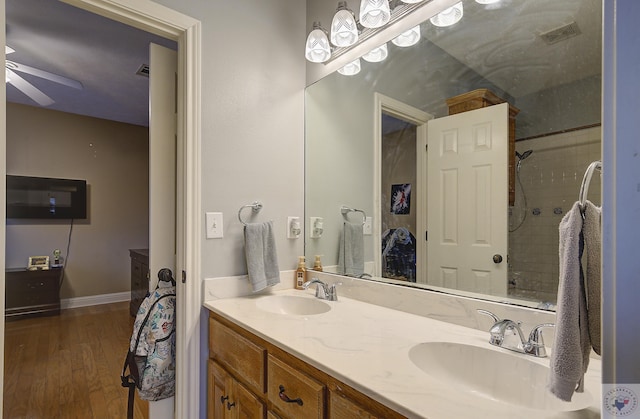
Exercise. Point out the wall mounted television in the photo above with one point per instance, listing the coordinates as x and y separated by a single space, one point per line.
46 198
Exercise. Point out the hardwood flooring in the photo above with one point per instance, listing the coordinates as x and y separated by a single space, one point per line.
69 366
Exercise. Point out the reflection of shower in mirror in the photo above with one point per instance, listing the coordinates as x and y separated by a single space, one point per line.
521 157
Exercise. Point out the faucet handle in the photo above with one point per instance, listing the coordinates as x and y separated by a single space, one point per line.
536 342
495 318
535 336
333 292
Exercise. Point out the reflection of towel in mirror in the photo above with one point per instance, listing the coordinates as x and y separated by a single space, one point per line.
261 255
351 250
592 238
571 349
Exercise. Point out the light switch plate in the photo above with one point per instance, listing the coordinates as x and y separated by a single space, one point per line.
213 221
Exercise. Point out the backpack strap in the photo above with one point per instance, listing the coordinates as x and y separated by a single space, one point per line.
132 379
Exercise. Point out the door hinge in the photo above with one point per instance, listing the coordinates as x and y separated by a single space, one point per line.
184 277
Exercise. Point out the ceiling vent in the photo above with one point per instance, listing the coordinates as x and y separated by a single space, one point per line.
560 34
143 70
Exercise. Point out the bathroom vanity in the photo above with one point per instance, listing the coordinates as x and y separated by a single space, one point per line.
288 354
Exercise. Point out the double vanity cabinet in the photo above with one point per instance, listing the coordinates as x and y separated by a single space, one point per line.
249 377
286 354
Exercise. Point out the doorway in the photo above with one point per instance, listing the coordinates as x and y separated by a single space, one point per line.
186 31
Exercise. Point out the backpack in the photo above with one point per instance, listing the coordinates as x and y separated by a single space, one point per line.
151 355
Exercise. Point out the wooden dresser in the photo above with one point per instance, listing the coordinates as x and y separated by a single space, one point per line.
139 278
32 293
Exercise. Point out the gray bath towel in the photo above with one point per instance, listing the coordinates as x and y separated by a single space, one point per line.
351 250
592 231
570 355
261 255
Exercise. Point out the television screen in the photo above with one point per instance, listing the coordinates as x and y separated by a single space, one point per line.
46 198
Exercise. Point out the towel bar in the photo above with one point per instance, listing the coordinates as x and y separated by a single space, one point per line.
586 180
255 206
345 210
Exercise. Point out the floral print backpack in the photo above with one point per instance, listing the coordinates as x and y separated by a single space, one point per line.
151 355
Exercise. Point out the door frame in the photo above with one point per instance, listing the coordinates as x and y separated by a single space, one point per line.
186 31
419 118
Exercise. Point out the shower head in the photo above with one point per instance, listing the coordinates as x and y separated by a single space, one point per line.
523 155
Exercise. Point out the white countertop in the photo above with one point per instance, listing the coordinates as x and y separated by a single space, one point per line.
367 347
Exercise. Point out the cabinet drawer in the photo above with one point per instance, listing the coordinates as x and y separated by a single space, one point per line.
243 358
285 382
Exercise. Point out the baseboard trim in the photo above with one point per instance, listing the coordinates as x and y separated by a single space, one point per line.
94 300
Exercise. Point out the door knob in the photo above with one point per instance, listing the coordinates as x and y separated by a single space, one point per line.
497 258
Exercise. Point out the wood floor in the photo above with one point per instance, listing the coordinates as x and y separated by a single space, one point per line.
69 366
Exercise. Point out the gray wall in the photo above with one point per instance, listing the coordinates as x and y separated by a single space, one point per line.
113 158
253 78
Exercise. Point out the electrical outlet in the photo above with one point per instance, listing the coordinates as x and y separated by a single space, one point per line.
367 229
213 221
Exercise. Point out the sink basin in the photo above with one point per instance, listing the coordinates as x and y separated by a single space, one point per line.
493 374
291 304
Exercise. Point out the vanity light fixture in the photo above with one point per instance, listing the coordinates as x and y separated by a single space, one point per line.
351 69
317 48
487 1
377 54
411 1
449 16
408 38
344 29
374 13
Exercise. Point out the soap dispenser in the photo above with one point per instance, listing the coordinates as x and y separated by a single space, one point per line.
317 265
301 273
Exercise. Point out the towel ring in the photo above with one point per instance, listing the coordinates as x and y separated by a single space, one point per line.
586 180
255 206
345 210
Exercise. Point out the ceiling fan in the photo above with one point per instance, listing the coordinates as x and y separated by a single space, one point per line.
29 89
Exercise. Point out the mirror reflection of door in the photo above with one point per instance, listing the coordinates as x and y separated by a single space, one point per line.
398 213
467 201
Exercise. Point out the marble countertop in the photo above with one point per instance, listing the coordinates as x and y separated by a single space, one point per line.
367 346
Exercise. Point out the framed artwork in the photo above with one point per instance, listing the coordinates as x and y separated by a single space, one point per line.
401 198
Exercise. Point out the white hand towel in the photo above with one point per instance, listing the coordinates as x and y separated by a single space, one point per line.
261 255
570 355
351 250
592 231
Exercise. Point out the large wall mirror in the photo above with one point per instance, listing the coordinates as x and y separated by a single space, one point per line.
370 147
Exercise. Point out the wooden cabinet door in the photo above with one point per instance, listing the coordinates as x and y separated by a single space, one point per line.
248 406
219 391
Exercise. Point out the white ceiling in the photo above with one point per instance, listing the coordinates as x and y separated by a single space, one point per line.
102 54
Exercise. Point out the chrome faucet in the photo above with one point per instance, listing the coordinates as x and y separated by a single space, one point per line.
323 291
501 329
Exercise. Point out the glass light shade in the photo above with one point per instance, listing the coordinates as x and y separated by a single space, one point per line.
449 16
344 30
487 1
408 38
374 13
411 1
377 54
317 49
351 69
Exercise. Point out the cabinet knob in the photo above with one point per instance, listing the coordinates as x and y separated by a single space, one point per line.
230 405
223 399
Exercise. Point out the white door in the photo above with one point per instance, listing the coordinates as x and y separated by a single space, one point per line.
467 202
162 178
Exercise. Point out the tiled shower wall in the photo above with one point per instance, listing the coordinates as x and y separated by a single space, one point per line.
550 180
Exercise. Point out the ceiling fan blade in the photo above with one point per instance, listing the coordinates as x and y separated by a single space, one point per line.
28 89
44 74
